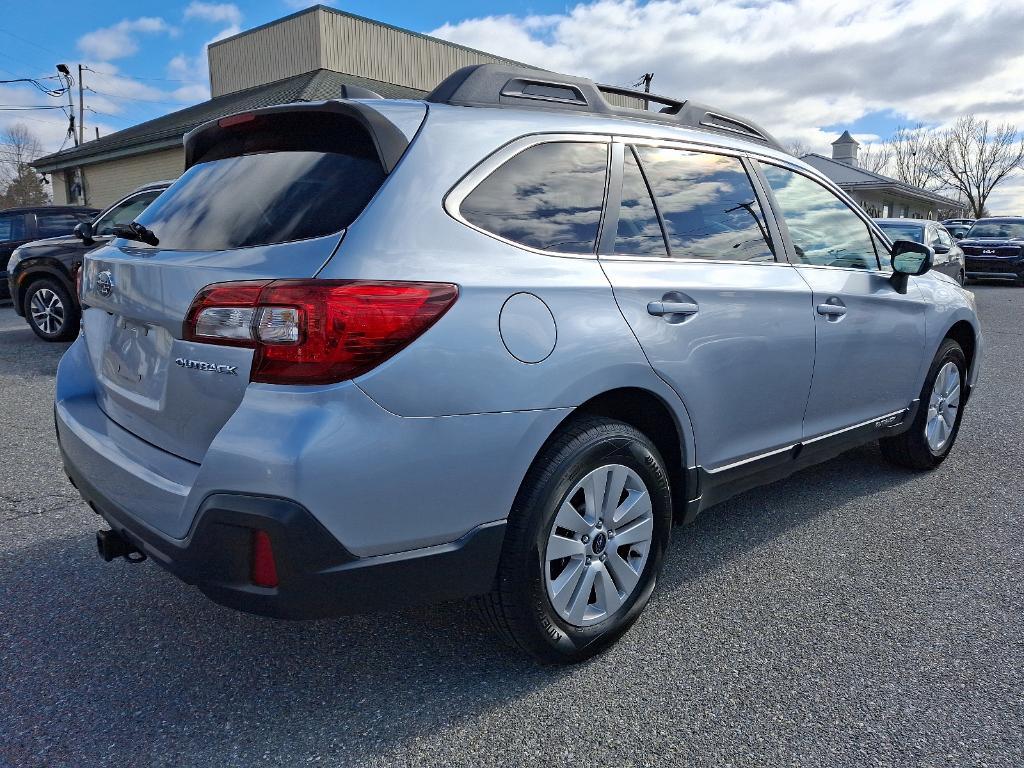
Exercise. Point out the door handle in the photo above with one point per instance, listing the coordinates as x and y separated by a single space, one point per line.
831 310
660 308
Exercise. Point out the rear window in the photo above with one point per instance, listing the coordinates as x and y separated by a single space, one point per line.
904 232
547 197
272 179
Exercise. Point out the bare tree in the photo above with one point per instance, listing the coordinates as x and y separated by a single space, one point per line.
797 148
973 158
875 157
913 157
18 147
19 183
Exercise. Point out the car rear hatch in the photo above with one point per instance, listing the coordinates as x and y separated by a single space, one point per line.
265 195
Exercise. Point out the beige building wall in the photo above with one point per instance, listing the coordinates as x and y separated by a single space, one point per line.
108 182
325 39
59 188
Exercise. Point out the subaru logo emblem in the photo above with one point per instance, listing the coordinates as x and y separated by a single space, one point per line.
104 283
988 250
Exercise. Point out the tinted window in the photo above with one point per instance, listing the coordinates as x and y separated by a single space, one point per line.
124 212
57 224
547 197
639 231
903 231
12 227
824 230
270 179
999 230
708 205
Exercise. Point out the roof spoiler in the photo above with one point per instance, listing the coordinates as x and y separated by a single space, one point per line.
388 140
499 85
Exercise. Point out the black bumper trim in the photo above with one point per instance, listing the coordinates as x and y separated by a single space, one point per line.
318 577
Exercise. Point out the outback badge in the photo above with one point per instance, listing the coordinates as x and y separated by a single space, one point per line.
202 365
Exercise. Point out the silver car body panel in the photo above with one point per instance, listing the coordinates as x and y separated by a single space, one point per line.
437 440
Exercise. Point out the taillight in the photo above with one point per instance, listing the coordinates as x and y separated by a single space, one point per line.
316 331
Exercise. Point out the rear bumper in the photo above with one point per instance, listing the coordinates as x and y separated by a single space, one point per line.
317 576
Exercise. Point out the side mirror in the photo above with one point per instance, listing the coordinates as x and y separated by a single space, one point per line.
942 249
84 233
909 259
959 235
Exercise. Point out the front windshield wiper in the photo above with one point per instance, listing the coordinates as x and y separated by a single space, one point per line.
137 232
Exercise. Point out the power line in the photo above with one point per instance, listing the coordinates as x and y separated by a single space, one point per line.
133 98
140 77
28 107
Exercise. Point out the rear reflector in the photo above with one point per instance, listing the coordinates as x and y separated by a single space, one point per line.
227 122
264 569
316 331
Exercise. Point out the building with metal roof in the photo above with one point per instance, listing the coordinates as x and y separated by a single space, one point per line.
880 195
311 55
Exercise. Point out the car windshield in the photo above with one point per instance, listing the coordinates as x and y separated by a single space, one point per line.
998 230
913 232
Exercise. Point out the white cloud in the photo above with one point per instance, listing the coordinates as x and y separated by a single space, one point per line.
791 66
227 13
196 67
122 39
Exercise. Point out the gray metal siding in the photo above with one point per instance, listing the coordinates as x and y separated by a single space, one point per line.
265 55
327 39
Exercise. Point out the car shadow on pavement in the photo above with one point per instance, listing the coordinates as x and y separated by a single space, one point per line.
102 661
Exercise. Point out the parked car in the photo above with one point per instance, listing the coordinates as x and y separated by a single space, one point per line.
948 258
21 225
967 221
957 230
364 353
42 272
994 249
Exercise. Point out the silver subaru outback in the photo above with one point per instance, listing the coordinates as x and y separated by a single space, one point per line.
492 344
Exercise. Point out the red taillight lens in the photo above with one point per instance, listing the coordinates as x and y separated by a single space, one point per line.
316 331
263 572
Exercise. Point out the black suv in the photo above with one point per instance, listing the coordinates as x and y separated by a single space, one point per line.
42 273
994 249
20 225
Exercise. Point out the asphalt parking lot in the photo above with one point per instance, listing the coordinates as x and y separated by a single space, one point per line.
854 614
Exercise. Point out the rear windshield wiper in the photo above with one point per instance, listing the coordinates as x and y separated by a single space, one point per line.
136 231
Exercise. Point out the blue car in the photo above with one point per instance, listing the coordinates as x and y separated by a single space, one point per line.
491 344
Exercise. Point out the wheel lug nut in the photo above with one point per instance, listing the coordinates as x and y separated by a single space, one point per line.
588 561
611 534
600 522
585 539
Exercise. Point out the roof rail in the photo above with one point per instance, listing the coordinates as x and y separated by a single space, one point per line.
500 85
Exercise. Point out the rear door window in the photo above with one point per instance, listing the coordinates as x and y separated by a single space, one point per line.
639 232
273 178
124 212
708 205
548 197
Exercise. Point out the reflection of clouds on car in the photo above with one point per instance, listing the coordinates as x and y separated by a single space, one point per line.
708 205
548 197
824 231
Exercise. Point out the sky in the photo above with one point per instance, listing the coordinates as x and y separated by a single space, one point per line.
804 69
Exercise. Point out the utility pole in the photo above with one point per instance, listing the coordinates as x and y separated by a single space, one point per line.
63 69
81 107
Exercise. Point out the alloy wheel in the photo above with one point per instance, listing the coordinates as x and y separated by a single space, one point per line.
942 407
598 545
47 311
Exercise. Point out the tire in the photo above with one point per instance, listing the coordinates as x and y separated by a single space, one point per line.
50 311
597 452
912 448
